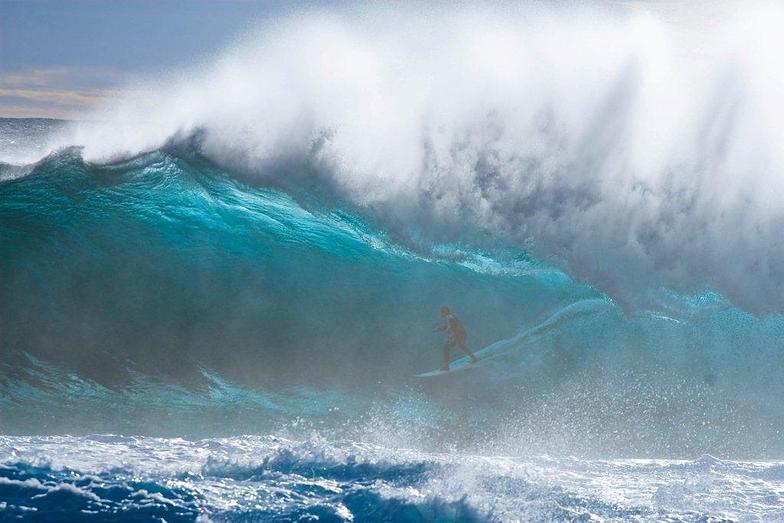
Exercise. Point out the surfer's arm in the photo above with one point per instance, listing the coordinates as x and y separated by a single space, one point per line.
440 328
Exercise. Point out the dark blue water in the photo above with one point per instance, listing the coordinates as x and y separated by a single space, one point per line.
254 478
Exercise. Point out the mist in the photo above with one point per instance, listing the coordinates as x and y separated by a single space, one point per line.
640 147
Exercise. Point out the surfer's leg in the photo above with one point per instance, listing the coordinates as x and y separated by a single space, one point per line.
448 345
465 348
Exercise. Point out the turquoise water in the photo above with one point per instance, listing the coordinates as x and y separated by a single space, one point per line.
164 288
164 297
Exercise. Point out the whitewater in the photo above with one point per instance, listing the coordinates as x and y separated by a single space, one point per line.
217 289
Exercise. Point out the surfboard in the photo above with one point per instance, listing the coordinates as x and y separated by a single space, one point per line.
463 363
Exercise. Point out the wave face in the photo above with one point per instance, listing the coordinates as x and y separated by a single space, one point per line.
160 295
165 266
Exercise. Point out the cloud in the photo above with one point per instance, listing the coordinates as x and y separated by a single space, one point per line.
33 77
55 92
56 96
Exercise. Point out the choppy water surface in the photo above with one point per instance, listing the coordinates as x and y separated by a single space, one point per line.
249 478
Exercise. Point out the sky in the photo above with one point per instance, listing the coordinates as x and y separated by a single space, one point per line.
58 58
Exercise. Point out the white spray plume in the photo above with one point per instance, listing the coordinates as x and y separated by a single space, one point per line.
643 148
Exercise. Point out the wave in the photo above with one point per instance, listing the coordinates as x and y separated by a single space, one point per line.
263 244
163 295
176 249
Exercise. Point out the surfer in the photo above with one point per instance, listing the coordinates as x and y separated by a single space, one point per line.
457 336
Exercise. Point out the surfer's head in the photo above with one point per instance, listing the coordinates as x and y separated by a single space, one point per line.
444 310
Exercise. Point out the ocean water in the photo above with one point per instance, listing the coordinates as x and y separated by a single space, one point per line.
260 478
214 307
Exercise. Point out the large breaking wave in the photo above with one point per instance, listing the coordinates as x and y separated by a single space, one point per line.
161 295
265 242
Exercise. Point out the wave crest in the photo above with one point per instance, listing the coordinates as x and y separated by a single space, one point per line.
640 147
